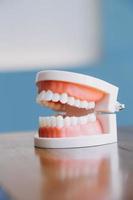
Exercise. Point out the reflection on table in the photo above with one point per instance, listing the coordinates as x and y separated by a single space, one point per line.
86 173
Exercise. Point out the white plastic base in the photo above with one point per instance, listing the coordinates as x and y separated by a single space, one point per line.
108 122
74 142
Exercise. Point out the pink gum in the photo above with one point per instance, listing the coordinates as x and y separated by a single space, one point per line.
72 89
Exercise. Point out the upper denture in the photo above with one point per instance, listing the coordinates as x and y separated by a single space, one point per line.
77 91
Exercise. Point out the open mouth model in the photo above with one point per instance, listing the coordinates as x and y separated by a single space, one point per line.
77 99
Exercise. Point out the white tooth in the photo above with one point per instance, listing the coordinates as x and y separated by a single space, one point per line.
38 98
44 122
56 97
83 120
67 121
71 101
47 120
91 117
84 104
59 121
63 98
41 121
48 95
91 105
53 121
74 120
77 103
42 95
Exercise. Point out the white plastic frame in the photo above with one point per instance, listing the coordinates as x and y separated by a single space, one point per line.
108 104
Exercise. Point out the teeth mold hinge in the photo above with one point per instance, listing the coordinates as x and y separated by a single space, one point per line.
119 106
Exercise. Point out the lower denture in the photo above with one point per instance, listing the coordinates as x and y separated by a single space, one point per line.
91 128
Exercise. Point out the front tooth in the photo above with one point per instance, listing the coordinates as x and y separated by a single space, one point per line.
77 103
48 121
59 121
71 101
67 121
42 122
48 95
74 120
56 97
63 98
53 121
41 96
91 117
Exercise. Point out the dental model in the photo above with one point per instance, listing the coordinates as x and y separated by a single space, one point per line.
86 109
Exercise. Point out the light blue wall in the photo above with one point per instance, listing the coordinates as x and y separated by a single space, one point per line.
18 110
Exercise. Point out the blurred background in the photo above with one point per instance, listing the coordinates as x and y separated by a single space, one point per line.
93 37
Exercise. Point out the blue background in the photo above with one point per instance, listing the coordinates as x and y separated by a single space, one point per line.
18 109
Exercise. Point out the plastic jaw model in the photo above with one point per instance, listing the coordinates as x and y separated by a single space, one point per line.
85 108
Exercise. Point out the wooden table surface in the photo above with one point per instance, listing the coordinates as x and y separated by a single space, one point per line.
94 173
